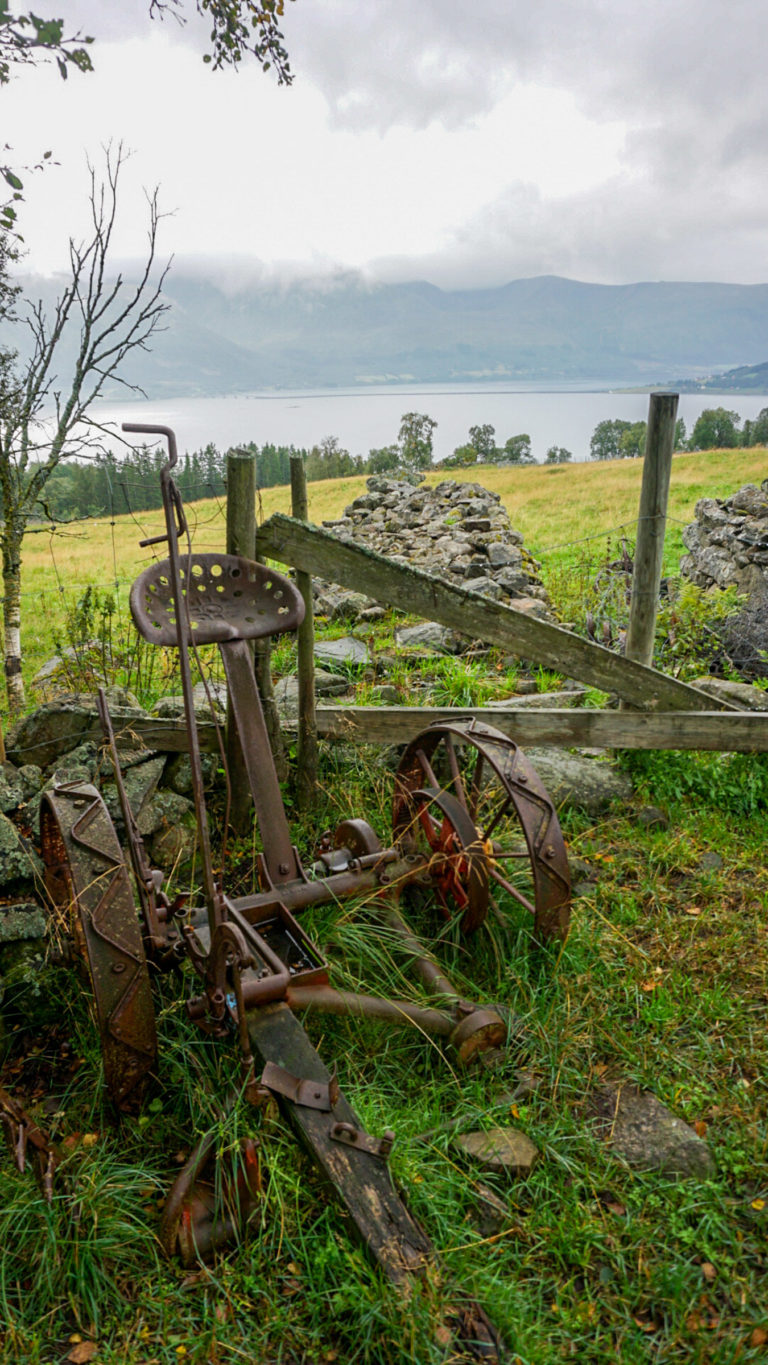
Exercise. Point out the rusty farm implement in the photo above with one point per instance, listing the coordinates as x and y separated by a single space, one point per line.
472 823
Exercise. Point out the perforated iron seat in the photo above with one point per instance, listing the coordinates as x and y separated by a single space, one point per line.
228 597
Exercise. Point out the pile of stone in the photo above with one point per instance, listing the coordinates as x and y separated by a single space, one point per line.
727 544
459 532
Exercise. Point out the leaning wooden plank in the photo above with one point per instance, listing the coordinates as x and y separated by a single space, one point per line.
394 1240
742 732
315 551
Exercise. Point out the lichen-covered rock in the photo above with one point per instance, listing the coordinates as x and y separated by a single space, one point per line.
60 726
648 1136
428 635
727 544
162 811
18 861
500 1149
591 784
738 693
457 531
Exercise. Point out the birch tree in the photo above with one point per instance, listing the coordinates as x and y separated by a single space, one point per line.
45 398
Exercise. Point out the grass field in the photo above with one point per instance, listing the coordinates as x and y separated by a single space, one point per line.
571 516
663 983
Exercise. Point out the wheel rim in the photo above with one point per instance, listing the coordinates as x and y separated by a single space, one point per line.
503 802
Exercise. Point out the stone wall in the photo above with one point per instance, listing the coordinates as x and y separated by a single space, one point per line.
458 531
727 544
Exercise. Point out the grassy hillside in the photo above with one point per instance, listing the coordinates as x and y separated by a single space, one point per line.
568 514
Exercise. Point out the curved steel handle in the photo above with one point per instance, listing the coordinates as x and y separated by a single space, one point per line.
146 429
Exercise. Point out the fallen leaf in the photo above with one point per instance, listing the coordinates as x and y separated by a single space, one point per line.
83 1352
758 1204
700 1128
649 985
90 1139
758 1337
691 909
290 1287
708 1271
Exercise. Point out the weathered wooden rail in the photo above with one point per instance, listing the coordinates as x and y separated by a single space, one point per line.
315 551
742 731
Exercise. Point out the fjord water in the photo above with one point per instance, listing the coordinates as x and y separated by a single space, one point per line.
367 418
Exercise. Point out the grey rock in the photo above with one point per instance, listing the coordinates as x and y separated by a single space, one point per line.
339 655
58 727
648 1136
540 701
744 695
163 811
589 784
709 862
24 920
12 789
178 772
18 860
385 694
175 841
487 587
500 1149
286 690
428 635
341 606
501 556
140 784
651 817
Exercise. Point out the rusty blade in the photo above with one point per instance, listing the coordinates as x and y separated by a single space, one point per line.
82 856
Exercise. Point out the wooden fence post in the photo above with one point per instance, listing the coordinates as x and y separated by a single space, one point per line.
241 540
306 747
652 520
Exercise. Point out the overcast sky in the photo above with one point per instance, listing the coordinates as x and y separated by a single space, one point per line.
467 142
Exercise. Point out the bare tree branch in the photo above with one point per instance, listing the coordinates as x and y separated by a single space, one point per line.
43 420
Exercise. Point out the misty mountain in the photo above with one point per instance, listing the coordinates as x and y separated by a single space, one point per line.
744 379
344 331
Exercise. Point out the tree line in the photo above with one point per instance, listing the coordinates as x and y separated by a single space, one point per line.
108 484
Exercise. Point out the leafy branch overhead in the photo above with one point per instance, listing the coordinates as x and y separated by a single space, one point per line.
239 28
25 38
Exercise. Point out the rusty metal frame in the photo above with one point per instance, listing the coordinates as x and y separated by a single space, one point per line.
249 952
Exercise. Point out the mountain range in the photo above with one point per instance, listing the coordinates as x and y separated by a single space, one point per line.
345 331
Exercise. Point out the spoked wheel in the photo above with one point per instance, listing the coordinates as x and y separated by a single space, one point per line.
90 888
469 800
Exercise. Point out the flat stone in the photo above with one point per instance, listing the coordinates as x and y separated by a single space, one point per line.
500 1149
538 701
648 1136
428 635
575 780
338 655
501 555
745 695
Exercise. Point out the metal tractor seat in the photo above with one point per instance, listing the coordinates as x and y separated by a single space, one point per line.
226 598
